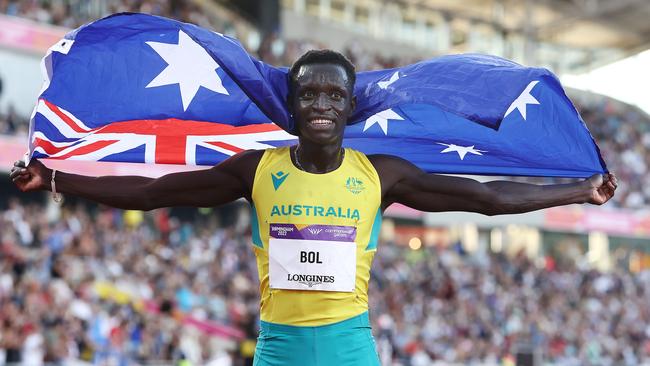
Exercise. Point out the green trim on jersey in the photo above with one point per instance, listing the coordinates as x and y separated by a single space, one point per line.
374 233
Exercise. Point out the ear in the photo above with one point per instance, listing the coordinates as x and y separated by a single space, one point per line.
353 104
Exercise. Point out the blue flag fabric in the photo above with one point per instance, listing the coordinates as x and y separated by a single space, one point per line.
140 88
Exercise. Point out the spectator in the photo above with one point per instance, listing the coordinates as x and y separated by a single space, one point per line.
81 287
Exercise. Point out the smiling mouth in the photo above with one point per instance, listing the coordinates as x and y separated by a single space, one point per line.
321 123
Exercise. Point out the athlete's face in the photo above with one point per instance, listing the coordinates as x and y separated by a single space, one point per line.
322 102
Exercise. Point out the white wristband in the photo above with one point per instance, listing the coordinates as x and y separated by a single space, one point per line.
56 197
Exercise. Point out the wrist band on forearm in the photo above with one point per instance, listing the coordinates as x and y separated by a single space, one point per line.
56 197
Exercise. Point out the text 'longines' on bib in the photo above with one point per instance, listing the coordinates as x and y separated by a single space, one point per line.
312 257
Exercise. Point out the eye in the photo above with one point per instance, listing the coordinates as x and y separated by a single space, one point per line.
308 94
336 95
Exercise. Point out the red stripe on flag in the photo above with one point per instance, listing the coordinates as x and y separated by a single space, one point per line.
170 149
88 148
68 121
48 147
226 146
180 128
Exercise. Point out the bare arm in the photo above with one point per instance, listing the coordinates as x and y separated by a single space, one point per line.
225 182
403 182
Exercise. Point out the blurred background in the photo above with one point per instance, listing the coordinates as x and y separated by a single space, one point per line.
84 284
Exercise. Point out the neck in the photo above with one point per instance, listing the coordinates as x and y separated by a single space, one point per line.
317 159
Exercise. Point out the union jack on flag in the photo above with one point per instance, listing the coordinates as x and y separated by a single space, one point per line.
168 141
140 88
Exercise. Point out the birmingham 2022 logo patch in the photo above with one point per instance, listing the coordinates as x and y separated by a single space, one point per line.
354 185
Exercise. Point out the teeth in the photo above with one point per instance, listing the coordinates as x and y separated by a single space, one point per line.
321 121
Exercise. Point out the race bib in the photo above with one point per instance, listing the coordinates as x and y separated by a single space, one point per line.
313 258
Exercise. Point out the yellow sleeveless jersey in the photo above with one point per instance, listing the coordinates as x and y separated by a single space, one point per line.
314 237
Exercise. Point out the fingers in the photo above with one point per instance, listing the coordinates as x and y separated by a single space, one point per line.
18 169
611 181
18 173
610 185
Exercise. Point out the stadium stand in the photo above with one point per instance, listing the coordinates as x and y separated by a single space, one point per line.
72 14
105 285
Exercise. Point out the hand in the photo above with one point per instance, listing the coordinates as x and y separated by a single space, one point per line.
34 177
602 188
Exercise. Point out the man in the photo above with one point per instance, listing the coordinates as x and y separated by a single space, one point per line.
316 214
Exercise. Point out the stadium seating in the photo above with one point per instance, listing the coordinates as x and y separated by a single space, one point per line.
115 285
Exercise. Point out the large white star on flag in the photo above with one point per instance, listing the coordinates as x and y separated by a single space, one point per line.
386 84
189 66
522 100
381 119
461 150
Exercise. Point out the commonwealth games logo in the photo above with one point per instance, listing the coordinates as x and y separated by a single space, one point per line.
354 185
314 231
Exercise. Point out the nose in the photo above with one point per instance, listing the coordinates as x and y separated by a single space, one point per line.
321 103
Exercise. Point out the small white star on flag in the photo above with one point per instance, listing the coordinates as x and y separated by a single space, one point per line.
523 100
461 150
381 119
386 84
189 66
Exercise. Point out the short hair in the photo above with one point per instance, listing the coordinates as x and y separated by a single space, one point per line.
322 57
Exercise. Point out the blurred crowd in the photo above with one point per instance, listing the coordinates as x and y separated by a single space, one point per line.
114 287
442 307
73 281
73 13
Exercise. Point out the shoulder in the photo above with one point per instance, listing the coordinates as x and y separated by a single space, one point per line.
242 162
383 158
383 162
393 170
242 166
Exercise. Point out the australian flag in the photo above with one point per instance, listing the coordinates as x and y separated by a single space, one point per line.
140 88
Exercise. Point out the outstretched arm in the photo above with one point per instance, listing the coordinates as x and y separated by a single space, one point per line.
403 182
225 182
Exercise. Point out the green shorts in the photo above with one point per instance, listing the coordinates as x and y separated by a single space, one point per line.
348 342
